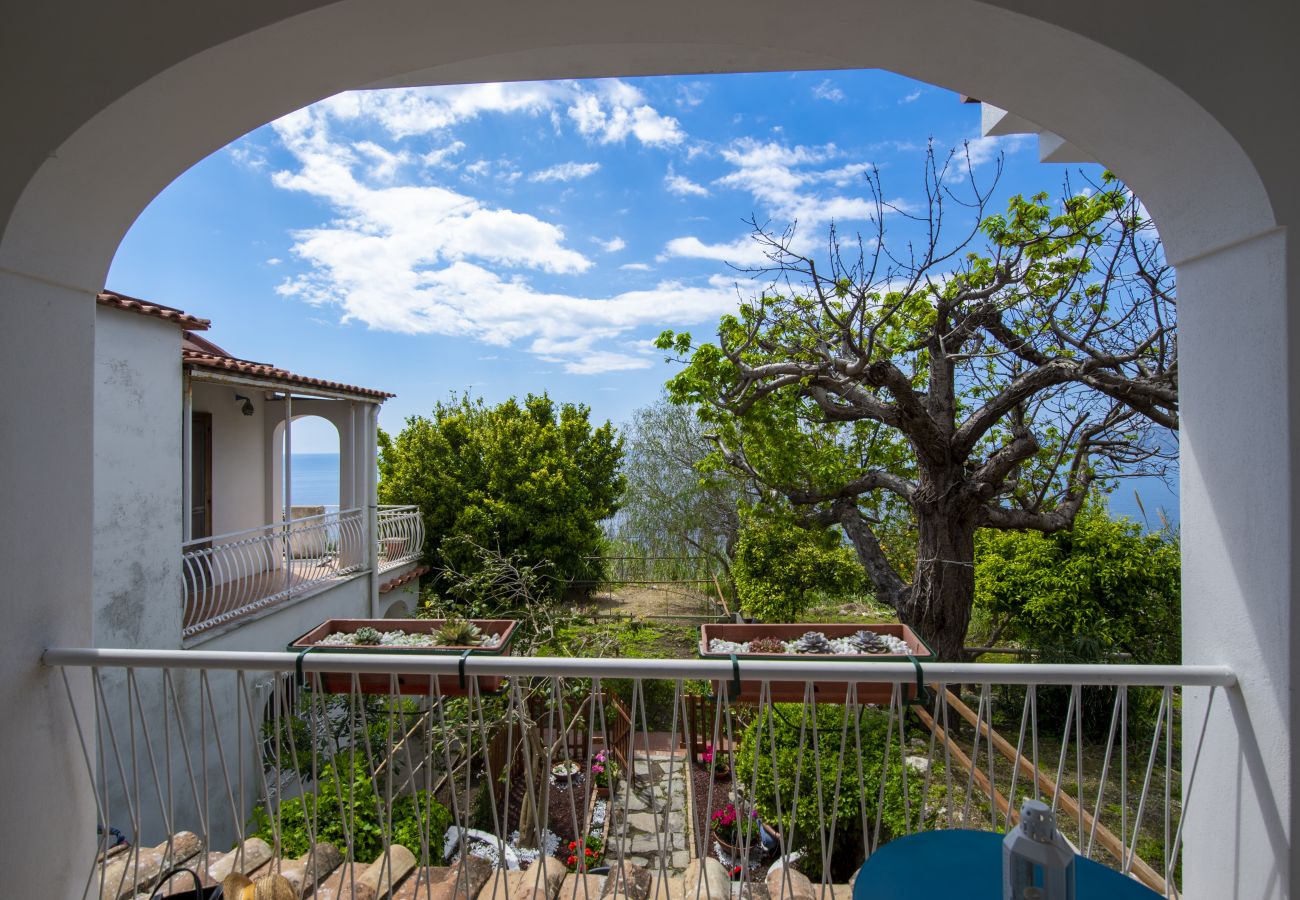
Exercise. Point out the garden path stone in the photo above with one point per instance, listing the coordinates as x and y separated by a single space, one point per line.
652 821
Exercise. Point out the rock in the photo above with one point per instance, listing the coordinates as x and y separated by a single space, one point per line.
918 764
581 887
129 873
312 868
339 883
629 880
464 881
681 858
705 882
419 883
789 884
540 881
245 859
380 876
645 843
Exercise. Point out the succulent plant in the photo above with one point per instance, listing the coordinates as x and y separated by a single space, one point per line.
460 633
869 642
813 642
367 636
766 645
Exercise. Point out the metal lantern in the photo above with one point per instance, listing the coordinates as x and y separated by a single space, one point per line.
1037 863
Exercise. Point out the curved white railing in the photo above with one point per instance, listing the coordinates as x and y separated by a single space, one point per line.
232 575
401 536
223 735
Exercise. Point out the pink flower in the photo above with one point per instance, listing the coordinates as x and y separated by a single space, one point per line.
598 769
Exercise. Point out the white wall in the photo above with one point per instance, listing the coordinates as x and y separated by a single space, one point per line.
239 461
136 567
1207 145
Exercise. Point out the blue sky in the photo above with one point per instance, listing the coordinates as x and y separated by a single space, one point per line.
501 239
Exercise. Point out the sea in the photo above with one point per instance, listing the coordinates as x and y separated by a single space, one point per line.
315 479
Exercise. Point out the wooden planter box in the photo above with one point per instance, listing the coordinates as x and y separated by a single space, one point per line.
824 691
448 685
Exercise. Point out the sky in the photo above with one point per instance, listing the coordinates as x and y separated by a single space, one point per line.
501 239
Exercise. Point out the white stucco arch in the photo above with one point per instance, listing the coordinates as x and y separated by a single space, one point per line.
1219 216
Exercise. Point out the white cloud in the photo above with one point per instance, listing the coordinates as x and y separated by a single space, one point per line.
615 110
986 149
635 267
744 251
384 163
912 97
249 156
477 168
613 245
442 155
828 91
568 171
425 259
274 261
683 186
691 95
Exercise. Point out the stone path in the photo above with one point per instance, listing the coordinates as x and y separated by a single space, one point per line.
647 842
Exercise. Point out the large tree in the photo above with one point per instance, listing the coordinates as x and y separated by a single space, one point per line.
674 504
532 480
965 389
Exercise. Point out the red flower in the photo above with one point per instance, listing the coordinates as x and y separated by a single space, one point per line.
573 845
589 852
572 860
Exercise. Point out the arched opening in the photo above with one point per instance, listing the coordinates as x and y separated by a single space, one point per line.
1202 187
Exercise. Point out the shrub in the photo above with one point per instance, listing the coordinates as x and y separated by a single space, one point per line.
783 722
346 786
780 567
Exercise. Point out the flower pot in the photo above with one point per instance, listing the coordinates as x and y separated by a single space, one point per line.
447 685
721 773
602 791
824 691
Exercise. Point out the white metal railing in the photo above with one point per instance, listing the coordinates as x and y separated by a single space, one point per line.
196 741
236 574
401 535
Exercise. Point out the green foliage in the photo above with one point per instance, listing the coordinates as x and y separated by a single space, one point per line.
345 787
533 478
780 566
1104 586
784 723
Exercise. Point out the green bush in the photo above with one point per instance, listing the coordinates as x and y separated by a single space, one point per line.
345 800
532 478
780 568
783 722
1102 587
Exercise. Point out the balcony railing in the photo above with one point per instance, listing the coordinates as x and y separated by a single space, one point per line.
401 536
237 574
205 758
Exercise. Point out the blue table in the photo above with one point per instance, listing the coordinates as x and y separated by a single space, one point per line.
967 865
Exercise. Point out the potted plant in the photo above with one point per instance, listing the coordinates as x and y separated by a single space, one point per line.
735 829
565 773
838 642
716 761
604 771
406 637
587 857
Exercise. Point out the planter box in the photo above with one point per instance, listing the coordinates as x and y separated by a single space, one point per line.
824 691
448 685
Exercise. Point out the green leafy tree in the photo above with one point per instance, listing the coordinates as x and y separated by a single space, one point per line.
532 478
956 389
1101 587
780 566
674 504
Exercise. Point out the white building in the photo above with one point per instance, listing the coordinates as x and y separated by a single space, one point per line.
1190 104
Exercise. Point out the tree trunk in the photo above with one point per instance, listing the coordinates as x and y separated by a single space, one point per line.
938 602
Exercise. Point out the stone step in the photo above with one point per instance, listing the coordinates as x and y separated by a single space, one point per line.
582 887
540 881
338 884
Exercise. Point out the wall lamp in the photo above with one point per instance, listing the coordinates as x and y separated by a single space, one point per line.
247 408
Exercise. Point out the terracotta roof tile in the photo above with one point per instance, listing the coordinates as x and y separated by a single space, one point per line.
195 357
157 310
402 579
